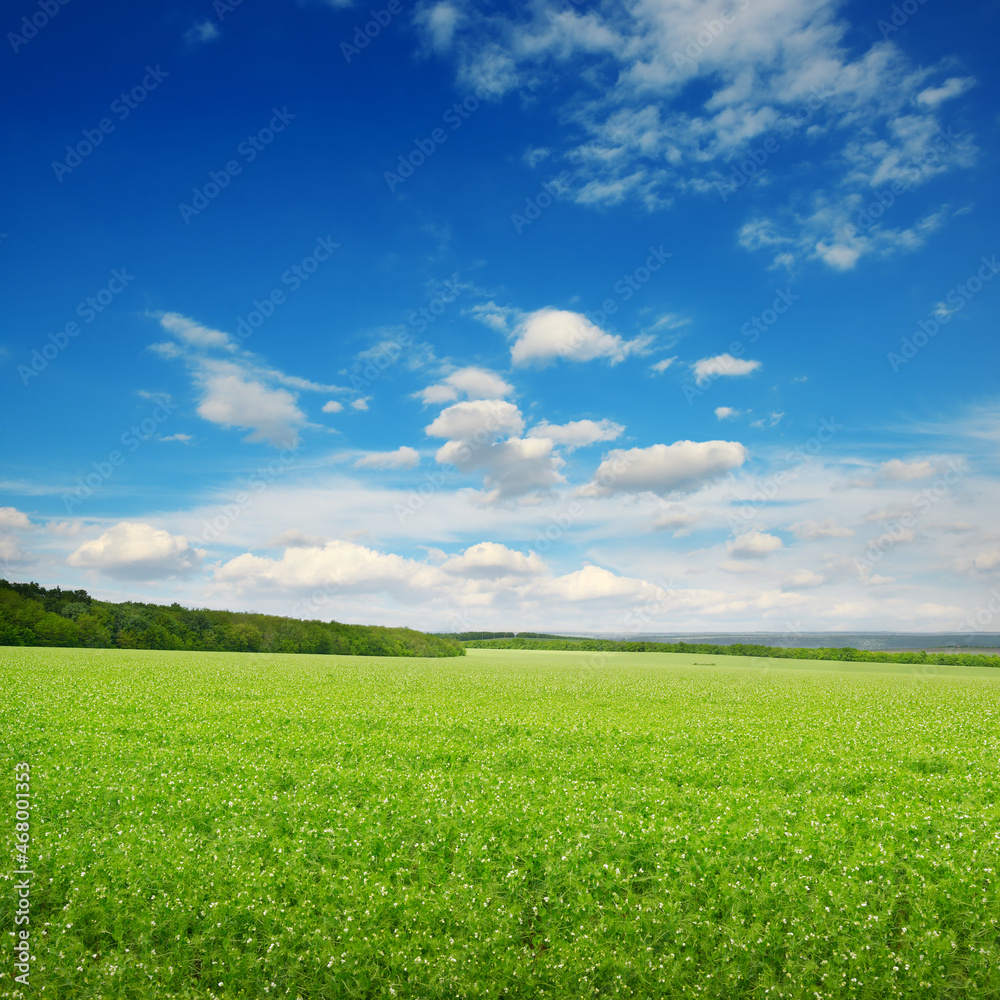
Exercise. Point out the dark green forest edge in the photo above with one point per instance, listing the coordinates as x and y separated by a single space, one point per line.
31 615
526 640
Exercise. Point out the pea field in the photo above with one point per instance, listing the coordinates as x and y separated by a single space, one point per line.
507 824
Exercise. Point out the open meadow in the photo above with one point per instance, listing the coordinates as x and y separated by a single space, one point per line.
514 824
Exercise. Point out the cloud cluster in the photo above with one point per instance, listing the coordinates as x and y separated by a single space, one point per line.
674 97
681 467
235 390
138 551
550 334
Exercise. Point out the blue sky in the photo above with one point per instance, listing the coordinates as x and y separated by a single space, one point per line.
644 317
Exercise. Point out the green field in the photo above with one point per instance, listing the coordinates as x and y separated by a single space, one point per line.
506 824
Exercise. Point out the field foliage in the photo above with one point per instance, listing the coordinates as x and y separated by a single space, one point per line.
506 824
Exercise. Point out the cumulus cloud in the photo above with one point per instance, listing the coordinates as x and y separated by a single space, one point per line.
402 458
12 519
233 400
137 551
684 466
811 530
804 578
677 520
898 470
332 406
577 433
722 364
548 334
486 419
726 413
12 523
492 561
472 382
510 468
754 545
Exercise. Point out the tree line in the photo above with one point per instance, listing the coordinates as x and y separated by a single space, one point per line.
847 653
31 615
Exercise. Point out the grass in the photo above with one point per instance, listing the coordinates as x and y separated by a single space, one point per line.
508 824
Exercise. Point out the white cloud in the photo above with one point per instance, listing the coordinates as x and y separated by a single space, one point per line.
238 391
722 364
770 420
12 522
332 406
726 413
194 333
802 578
492 561
952 87
677 520
577 433
496 317
684 466
754 545
661 366
203 31
360 404
270 415
548 334
811 530
487 419
183 438
295 539
472 382
896 470
136 551
439 22
511 468
401 458
12 519
662 106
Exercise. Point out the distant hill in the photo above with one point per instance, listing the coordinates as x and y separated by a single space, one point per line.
31 615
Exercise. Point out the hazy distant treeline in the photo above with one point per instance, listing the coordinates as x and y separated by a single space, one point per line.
31 615
522 641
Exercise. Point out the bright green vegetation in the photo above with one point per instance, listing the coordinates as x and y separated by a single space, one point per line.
31 615
506 824
528 640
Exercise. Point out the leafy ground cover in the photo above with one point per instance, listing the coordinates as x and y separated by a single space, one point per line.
506 824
